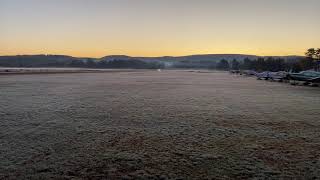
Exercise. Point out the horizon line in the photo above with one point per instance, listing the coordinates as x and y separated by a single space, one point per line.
155 56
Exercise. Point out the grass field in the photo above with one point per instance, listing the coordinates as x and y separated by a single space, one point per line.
159 125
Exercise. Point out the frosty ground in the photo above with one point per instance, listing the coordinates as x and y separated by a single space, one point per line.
160 125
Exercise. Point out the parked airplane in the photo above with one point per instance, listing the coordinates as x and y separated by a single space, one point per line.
264 75
306 76
278 76
275 76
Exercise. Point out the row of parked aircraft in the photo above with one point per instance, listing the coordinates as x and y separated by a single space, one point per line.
309 77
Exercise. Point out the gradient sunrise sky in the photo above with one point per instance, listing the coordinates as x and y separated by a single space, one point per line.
95 28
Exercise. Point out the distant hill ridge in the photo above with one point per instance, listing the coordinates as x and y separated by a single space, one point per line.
204 57
123 61
160 58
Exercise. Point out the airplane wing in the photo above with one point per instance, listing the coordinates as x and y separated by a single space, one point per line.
315 80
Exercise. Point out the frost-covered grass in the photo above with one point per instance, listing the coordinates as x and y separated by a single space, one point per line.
23 70
168 124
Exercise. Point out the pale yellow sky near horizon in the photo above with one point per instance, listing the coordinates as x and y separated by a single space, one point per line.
98 28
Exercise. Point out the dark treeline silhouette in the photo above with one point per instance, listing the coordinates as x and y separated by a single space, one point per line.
223 65
115 64
132 63
68 61
36 61
260 64
311 61
267 64
295 64
189 64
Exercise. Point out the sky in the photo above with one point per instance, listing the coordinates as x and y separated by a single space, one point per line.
96 28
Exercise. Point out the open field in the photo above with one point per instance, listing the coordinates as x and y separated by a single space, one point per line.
19 71
149 124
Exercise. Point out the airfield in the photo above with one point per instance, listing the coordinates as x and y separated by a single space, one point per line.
170 124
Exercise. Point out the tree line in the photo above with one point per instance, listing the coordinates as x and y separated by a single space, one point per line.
311 61
68 61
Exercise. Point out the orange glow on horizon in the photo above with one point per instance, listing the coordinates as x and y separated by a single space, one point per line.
158 28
